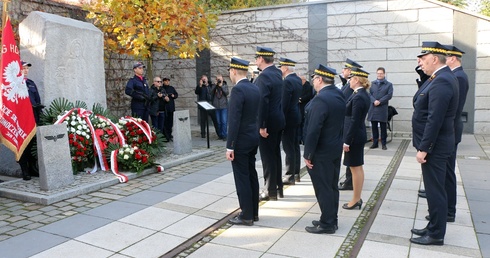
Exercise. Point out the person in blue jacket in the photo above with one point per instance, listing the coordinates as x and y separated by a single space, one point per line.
139 90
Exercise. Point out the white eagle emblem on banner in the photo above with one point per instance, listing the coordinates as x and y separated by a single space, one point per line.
17 86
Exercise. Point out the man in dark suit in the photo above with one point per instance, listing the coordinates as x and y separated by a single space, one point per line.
347 91
453 60
243 141
271 122
139 90
323 147
292 89
306 95
435 105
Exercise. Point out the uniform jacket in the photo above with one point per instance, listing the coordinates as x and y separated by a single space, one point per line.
271 115
356 110
347 90
218 96
292 90
243 131
35 99
170 105
139 91
306 95
382 91
435 105
463 91
324 118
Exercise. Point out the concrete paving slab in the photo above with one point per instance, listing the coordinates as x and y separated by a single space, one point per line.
215 170
197 178
147 197
29 243
278 218
374 249
74 249
153 218
392 226
115 236
463 236
115 210
445 251
119 256
215 188
226 205
189 226
387 239
398 209
75 226
176 207
175 187
250 238
402 195
483 240
153 246
303 244
193 199
212 250
405 184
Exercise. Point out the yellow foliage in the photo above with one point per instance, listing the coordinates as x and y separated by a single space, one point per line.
138 27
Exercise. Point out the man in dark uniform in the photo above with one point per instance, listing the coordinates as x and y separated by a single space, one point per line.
28 161
292 89
323 147
242 141
139 90
271 122
306 95
169 98
347 91
435 105
453 60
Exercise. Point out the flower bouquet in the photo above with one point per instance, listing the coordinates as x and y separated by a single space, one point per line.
133 158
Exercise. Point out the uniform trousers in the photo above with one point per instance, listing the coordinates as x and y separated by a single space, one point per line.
169 124
324 177
290 144
434 175
450 183
246 183
270 154
142 113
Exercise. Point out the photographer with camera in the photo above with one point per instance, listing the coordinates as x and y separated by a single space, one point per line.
202 92
218 96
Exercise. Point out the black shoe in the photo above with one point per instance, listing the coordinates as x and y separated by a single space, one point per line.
419 232
1 181
319 230
26 177
256 218
266 197
427 240
423 195
297 178
280 193
374 146
288 180
317 223
203 136
449 218
421 190
345 186
384 147
239 221
357 204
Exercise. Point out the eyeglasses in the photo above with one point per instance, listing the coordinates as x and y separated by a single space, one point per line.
158 81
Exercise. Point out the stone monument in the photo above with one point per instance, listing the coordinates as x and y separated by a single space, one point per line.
182 132
54 158
67 58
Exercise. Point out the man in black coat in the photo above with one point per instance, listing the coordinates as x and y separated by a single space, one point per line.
271 122
347 91
242 141
380 93
435 105
169 98
202 92
292 89
139 90
323 147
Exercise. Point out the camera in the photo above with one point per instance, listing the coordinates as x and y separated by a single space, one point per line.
219 81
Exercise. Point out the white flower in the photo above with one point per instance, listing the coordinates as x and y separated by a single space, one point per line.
131 151
84 133
72 129
73 117
125 145
104 124
78 132
84 127
73 123
121 152
87 136
126 157
135 147
79 127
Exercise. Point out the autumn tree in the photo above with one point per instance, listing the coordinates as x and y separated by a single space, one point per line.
141 28
240 4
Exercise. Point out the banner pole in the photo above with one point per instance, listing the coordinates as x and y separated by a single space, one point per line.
4 11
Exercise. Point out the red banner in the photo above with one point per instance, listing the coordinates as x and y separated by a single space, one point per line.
17 124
